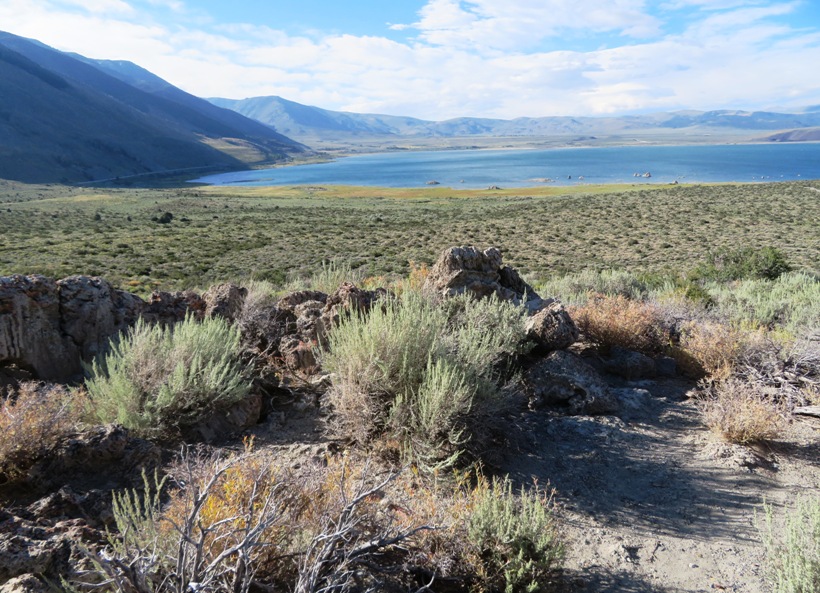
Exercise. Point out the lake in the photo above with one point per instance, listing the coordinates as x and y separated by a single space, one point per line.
558 166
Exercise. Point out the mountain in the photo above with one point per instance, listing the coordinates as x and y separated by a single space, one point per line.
66 118
804 135
313 124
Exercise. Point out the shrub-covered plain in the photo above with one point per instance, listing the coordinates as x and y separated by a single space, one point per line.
217 234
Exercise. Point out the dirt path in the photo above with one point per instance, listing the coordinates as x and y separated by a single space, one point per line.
650 501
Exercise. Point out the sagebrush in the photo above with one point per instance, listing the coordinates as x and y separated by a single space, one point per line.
156 378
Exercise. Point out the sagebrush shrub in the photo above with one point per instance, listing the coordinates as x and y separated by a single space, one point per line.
515 537
618 321
793 549
418 372
158 378
33 420
739 413
743 263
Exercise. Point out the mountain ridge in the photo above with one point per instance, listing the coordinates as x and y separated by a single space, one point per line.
310 124
66 118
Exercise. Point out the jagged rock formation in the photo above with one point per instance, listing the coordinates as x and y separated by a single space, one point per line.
469 270
564 378
552 328
50 327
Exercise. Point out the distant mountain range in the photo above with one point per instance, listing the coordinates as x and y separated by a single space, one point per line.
66 118
313 124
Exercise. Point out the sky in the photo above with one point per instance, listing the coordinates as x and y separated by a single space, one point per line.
439 59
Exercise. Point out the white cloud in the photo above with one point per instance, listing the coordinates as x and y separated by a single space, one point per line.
491 24
476 58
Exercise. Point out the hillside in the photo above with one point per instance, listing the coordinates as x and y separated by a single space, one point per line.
65 118
312 124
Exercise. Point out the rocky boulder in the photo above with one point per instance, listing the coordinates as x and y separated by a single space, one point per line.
168 308
552 328
99 457
224 300
49 327
565 379
629 364
469 270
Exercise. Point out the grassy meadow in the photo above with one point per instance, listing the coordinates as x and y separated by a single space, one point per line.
273 233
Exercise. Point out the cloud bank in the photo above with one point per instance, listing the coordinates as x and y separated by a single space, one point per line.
485 58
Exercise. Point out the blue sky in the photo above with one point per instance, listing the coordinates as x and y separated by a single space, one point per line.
438 59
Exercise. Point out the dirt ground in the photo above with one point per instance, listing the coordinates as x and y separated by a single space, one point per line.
648 500
653 501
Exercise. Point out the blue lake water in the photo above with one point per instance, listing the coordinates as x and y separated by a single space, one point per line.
563 166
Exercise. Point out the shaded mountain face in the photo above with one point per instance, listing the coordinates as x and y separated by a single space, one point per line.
64 118
310 124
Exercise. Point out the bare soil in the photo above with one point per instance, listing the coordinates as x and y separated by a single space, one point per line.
648 501
651 500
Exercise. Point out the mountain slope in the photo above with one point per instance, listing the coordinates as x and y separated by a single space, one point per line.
63 119
312 124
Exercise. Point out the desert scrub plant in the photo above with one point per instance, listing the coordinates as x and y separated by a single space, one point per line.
576 288
330 276
33 419
741 264
791 301
793 550
618 321
418 372
739 412
225 517
155 379
514 537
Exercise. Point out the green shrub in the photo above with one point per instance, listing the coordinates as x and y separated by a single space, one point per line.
420 373
515 536
158 378
792 301
793 551
742 264
327 279
574 289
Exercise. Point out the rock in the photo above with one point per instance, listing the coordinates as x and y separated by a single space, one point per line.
633 399
168 308
30 334
309 323
666 366
224 300
563 378
27 583
552 328
49 327
629 364
29 549
96 457
298 355
290 300
461 270
91 312
239 416
347 299
263 325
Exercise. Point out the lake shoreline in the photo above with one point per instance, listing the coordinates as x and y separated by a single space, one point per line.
477 168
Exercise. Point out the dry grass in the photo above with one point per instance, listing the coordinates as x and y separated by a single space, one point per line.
739 413
32 422
618 321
